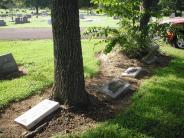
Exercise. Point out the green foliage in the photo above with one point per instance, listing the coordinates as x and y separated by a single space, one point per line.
129 38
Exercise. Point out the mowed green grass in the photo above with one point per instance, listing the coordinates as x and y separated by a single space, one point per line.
157 109
37 58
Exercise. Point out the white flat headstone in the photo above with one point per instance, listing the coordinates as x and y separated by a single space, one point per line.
33 116
116 87
133 72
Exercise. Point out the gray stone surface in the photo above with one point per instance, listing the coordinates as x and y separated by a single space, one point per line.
133 72
7 64
2 23
21 20
25 19
115 88
18 20
151 57
33 116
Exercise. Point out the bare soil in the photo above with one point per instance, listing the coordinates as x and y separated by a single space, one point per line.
73 120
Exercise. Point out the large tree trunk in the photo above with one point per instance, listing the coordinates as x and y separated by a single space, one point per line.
69 85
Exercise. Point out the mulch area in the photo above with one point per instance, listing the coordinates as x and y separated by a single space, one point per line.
73 120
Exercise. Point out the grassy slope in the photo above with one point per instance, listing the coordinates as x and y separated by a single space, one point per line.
37 58
157 109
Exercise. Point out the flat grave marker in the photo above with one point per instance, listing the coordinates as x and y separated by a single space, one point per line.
134 72
33 116
7 64
115 88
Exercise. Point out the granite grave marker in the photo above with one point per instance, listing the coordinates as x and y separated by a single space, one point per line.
7 64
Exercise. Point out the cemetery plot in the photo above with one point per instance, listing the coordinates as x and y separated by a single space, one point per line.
33 116
134 72
116 88
7 65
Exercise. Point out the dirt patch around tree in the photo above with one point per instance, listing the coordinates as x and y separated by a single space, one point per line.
73 120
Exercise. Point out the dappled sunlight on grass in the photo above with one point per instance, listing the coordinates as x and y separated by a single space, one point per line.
157 108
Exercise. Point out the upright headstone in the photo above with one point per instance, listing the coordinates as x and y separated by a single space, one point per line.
25 19
2 23
18 20
7 65
115 88
33 116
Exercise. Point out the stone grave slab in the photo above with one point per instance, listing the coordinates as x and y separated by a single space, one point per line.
7 64
133 72
115 88
151 57
33 116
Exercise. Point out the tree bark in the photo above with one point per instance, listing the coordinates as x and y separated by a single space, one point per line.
37 8
69 85
147 9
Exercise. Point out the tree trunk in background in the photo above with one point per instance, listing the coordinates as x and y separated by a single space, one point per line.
69 85
147 6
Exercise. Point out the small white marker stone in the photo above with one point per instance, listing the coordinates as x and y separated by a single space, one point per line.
132 72
33 116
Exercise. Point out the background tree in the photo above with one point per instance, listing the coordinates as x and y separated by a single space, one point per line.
69 85
37 4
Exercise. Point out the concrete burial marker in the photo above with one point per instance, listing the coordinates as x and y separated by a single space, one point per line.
7 64
116 87
133 72
151 57
33 116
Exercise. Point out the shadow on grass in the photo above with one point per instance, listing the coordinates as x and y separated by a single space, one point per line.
157 109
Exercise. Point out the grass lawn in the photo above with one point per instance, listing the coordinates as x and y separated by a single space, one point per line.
37 57
157 109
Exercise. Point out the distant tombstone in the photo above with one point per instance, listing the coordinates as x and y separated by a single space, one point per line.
18 20
134 72
25 19
81 16
33 116
116 88
151 57
2 23
7 65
